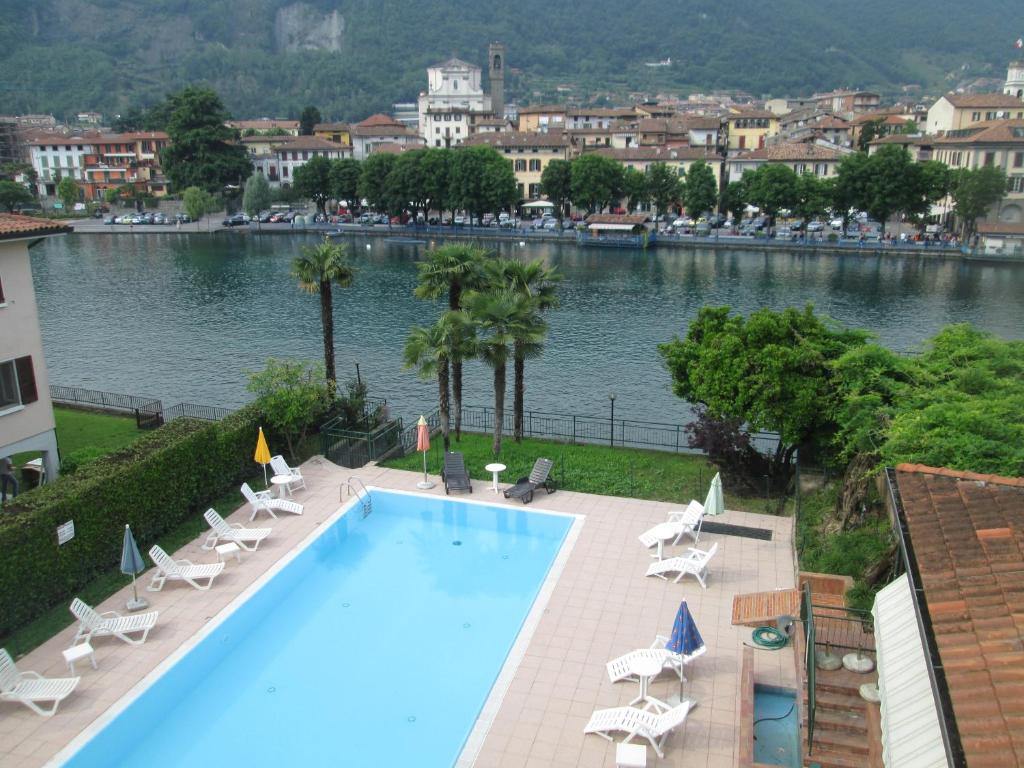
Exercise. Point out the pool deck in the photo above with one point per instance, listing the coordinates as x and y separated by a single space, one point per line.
601 607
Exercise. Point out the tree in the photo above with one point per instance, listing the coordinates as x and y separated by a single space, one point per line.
596 182
481 181
974 192
373 180
312 180
345 181
436 167
771 371
870 131
701 190
849 191
772 188
556 184
734 199
451 269
407 184
501 316
68 191
813 197
310 117
202 151
293 397
893 183
257 194
13 195
111 195
431 349
540 284
318 269
635 189
197 202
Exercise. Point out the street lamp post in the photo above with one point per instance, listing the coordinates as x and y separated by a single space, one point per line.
611 438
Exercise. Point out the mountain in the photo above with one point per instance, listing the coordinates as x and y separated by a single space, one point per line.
355 57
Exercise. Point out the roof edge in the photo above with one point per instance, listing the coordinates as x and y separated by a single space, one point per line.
923 469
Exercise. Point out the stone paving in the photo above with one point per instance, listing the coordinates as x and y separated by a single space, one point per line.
601 607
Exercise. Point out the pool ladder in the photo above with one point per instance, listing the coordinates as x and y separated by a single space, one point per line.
356 488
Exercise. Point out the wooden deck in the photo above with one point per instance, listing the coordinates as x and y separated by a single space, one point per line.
756 609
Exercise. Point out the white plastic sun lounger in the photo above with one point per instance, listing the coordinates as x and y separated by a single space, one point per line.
685 523
262 501
638 723
280 467
695 563
247 538
619 669
92 624
180 570
31 687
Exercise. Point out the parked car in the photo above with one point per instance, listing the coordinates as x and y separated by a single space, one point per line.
109 219
183 218
459 221
797 225
289 217
784 233
237 220
159 218
550 224
815 226
836 224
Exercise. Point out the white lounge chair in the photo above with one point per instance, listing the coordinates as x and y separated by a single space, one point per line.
263 501
695 563
280 467
247 538
685 523
31 687
638 723
167 568
619 669
93 624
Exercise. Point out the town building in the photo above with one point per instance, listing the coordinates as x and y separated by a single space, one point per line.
1000 239
750 128
265 126
678 159
89 118
339 133
954 112
920 146
260 145
56 157
278 165
407 113
541 118
453 100
529 153
848 102
821 159
26 412
378 130
118 159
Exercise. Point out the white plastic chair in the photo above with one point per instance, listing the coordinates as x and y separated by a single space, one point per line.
695 563
247 538
638 723
167 568
685 523
619 668
30 687
93 624
280 467
263 501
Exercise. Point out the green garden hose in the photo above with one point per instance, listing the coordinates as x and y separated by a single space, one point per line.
769 637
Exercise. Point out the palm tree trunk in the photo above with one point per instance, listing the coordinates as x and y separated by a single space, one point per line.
443 402
457 396
327 321
499 405
518 392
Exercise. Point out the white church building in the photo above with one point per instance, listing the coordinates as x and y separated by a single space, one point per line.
455 102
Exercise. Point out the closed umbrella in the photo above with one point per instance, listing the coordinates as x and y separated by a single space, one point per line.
423 444
685 638
132 565
262 454
715 502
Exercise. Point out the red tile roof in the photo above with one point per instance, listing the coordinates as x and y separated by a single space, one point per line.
13 226
792 151
1000 228
379 120
994 132
519 139
966 532
982 100
657 154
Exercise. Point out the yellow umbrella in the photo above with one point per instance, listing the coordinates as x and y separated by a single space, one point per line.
262 454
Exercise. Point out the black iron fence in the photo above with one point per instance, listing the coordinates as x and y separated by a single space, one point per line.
148 411
354 447
807 619
194 411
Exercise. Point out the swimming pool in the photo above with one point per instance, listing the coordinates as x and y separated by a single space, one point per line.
376 645
776 726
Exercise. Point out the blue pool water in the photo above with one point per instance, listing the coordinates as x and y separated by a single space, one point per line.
776 741
376 646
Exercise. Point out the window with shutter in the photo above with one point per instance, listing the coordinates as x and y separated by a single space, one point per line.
26 380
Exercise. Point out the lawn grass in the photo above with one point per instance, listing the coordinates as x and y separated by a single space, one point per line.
58 617
598 469
88 434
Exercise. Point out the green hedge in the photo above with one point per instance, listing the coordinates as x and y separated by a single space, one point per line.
153 485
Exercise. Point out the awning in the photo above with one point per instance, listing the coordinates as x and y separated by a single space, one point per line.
538 204
622 227
911 737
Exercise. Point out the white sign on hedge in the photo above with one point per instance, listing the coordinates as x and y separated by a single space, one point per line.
66 532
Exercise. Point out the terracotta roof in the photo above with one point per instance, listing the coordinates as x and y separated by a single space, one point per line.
378 120
904 139
543 109
751 114
701 122
132 136
670 125
618 218
966 535
331 127
876 114
12 227
396 130
792 151
282 139
311 142
1000 228
601 112
833 123
519 139
77 139
982 100
656 154
994 132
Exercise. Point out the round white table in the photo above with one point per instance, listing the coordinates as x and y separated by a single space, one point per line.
282 482
645 668
495 470
664 532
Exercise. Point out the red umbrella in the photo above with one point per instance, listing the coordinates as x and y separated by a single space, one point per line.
423 444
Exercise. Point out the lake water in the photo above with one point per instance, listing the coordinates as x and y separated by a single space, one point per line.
183 317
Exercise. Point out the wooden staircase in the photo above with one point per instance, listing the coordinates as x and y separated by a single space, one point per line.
841 732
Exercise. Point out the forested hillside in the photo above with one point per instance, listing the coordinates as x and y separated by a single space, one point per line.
353 57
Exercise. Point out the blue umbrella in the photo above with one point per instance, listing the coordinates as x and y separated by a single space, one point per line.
685 638
131 565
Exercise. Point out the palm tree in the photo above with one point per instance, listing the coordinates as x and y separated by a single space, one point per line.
318 269
453 269
501 316
431 350
540 283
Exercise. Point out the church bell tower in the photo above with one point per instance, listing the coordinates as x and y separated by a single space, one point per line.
496 70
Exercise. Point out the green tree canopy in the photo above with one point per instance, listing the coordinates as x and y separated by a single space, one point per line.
481 180
13 195
665 186
293 396
257 194
813 197
310 117
408 185
556 184
436 168
701 189
198 202
596 182
68 191
734 199
202 152
772 188
373 180
345 181
974 192
635 188
313 181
